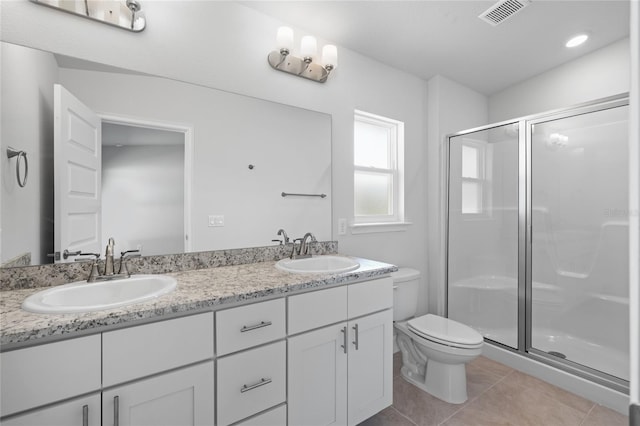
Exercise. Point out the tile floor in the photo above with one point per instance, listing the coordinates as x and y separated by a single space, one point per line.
498 395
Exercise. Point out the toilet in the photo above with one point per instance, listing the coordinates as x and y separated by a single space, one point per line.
434 349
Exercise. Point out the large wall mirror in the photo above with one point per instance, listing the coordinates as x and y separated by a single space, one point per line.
176 166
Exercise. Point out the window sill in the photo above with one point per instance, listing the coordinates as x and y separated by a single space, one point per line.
369 228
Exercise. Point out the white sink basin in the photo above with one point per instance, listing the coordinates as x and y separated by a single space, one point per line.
82 296
318 265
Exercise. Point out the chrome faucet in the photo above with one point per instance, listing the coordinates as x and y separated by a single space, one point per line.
303 249
304 245
285 238
109 267
109 264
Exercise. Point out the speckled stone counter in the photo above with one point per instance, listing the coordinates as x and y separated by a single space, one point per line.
197 291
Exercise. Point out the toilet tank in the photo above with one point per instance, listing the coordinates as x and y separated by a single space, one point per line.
405 293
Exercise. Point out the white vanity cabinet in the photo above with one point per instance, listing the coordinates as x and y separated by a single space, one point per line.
252 361
316 358
181 397
340 374
155 374
36 376
83 411
184 395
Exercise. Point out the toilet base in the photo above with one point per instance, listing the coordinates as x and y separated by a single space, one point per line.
444 381
438 370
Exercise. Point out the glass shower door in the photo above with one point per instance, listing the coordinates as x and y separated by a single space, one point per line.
578 288
482 237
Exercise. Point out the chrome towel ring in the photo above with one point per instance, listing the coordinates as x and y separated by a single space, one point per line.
22 180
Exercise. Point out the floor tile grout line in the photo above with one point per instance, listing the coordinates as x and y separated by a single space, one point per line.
587 415
403 415
472 400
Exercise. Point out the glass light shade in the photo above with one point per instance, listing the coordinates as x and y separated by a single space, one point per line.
308 46
330 56
284 38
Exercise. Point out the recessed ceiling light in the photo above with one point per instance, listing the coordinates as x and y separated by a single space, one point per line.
577 40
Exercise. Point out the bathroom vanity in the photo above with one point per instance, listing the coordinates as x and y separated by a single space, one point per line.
244 345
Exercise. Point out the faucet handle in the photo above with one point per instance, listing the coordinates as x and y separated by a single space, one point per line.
95 272
124 255
97 256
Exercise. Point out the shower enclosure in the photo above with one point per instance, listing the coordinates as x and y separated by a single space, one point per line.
537 237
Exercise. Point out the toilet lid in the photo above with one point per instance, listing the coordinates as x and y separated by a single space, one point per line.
445 331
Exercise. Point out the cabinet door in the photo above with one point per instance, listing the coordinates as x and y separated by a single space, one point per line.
370 365
318 377
183 397
78 412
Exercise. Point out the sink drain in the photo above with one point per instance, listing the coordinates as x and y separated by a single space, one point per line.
558 354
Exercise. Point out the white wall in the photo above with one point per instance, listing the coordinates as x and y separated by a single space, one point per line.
596 75
452 107
27 124
225 45
143 197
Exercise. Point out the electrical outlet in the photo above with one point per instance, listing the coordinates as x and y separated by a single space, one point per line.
342 226
216 220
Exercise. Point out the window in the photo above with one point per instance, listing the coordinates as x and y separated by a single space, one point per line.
378 169
475 196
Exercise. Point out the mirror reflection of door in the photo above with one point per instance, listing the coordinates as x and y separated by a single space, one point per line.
77 176
116 180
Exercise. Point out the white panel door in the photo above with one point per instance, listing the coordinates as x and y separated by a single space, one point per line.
183 397
370 365
79 412
77 175
318 377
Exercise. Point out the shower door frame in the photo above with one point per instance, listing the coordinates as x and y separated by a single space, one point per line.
525 254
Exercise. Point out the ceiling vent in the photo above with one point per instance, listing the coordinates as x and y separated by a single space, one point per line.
503 10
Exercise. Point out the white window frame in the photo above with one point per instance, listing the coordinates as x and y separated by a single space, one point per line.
395 220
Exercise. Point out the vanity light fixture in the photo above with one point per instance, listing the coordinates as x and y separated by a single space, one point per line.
307 65
577 40
126 14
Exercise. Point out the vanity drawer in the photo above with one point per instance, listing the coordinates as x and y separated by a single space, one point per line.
317 309
148 349
274 417
246 326
250 382
370 296
39 375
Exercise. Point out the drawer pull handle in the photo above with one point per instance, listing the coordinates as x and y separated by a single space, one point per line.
247 388
355 342
344 338
255 326
116 411
85 415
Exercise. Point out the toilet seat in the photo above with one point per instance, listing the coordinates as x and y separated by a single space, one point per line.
445 331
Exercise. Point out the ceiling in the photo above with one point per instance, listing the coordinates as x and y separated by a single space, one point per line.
429 37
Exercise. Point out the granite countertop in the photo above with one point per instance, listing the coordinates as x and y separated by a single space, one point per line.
197 291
